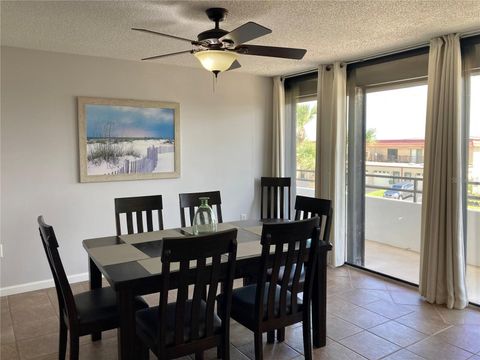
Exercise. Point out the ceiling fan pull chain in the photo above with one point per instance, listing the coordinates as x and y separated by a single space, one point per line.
214 81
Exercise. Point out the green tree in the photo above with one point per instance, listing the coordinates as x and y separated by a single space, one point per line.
371 136
305 148
305 113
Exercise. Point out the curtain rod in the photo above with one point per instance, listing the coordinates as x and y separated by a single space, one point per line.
379 55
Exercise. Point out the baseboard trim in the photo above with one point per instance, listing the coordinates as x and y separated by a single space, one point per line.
38 285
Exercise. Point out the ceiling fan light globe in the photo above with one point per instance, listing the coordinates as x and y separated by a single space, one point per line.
216 60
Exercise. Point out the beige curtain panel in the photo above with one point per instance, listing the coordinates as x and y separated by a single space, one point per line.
331 146
278 128
442 264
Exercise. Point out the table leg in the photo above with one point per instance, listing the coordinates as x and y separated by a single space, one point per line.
319 301
95 283
126 330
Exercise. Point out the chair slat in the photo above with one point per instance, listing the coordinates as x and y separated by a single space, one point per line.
197 298
282 203
182 296
160 220
139 221
212 293
277 262
289 262
150 221
129 223
295 287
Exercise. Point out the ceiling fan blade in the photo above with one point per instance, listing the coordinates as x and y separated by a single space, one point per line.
165 55
272 51
246 32
193 42
235 65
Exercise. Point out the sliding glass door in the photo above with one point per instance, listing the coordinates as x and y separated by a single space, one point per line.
394 146
387 100
473 191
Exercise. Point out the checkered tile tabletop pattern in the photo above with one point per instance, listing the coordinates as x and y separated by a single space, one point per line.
141 252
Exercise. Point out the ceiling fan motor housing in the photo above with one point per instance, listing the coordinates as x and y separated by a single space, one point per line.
211 36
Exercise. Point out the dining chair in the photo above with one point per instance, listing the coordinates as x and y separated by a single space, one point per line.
135 206
191 324
305 208
275 198
191 201
270 305
90 312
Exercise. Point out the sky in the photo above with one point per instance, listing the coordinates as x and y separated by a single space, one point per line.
398 113
401 113
129 121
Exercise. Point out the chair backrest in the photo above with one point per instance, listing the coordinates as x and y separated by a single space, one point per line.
191 201
207 251
307 207
275 198
293 251
66 302
131 206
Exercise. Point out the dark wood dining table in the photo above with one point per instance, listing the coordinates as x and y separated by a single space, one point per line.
131 264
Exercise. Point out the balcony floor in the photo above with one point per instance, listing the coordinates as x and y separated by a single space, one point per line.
405 265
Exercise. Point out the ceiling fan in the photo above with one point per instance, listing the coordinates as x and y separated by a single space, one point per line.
218 49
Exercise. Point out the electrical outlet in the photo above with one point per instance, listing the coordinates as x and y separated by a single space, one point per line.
243 216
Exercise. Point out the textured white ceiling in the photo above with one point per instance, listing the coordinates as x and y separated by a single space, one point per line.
329 30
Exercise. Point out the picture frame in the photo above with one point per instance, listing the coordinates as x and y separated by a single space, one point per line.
121 139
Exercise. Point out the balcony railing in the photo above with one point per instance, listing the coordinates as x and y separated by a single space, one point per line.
417 186
307 178
395 159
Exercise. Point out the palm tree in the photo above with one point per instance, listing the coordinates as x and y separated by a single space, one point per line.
305 113
371 136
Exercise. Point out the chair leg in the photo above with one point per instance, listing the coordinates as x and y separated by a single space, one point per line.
258 345
307 336
226 351
142 351
62 344
223 350
281 335
271 337
73 346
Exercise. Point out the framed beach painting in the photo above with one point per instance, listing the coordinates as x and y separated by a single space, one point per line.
128 139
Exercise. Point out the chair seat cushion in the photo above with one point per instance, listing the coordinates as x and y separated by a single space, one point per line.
100 305
148 324
243 302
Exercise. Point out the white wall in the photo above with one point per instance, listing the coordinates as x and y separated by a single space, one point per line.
225 145
397 223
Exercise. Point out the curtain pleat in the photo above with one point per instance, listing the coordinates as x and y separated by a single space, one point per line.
331 146
278 128
442 264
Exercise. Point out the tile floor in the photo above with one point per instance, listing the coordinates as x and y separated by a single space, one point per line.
405 264
368 318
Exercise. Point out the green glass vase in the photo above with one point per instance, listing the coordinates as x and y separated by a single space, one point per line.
205 220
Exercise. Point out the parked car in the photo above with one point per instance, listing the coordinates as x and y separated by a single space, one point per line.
395 192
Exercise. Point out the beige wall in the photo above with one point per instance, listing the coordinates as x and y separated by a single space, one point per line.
225 145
